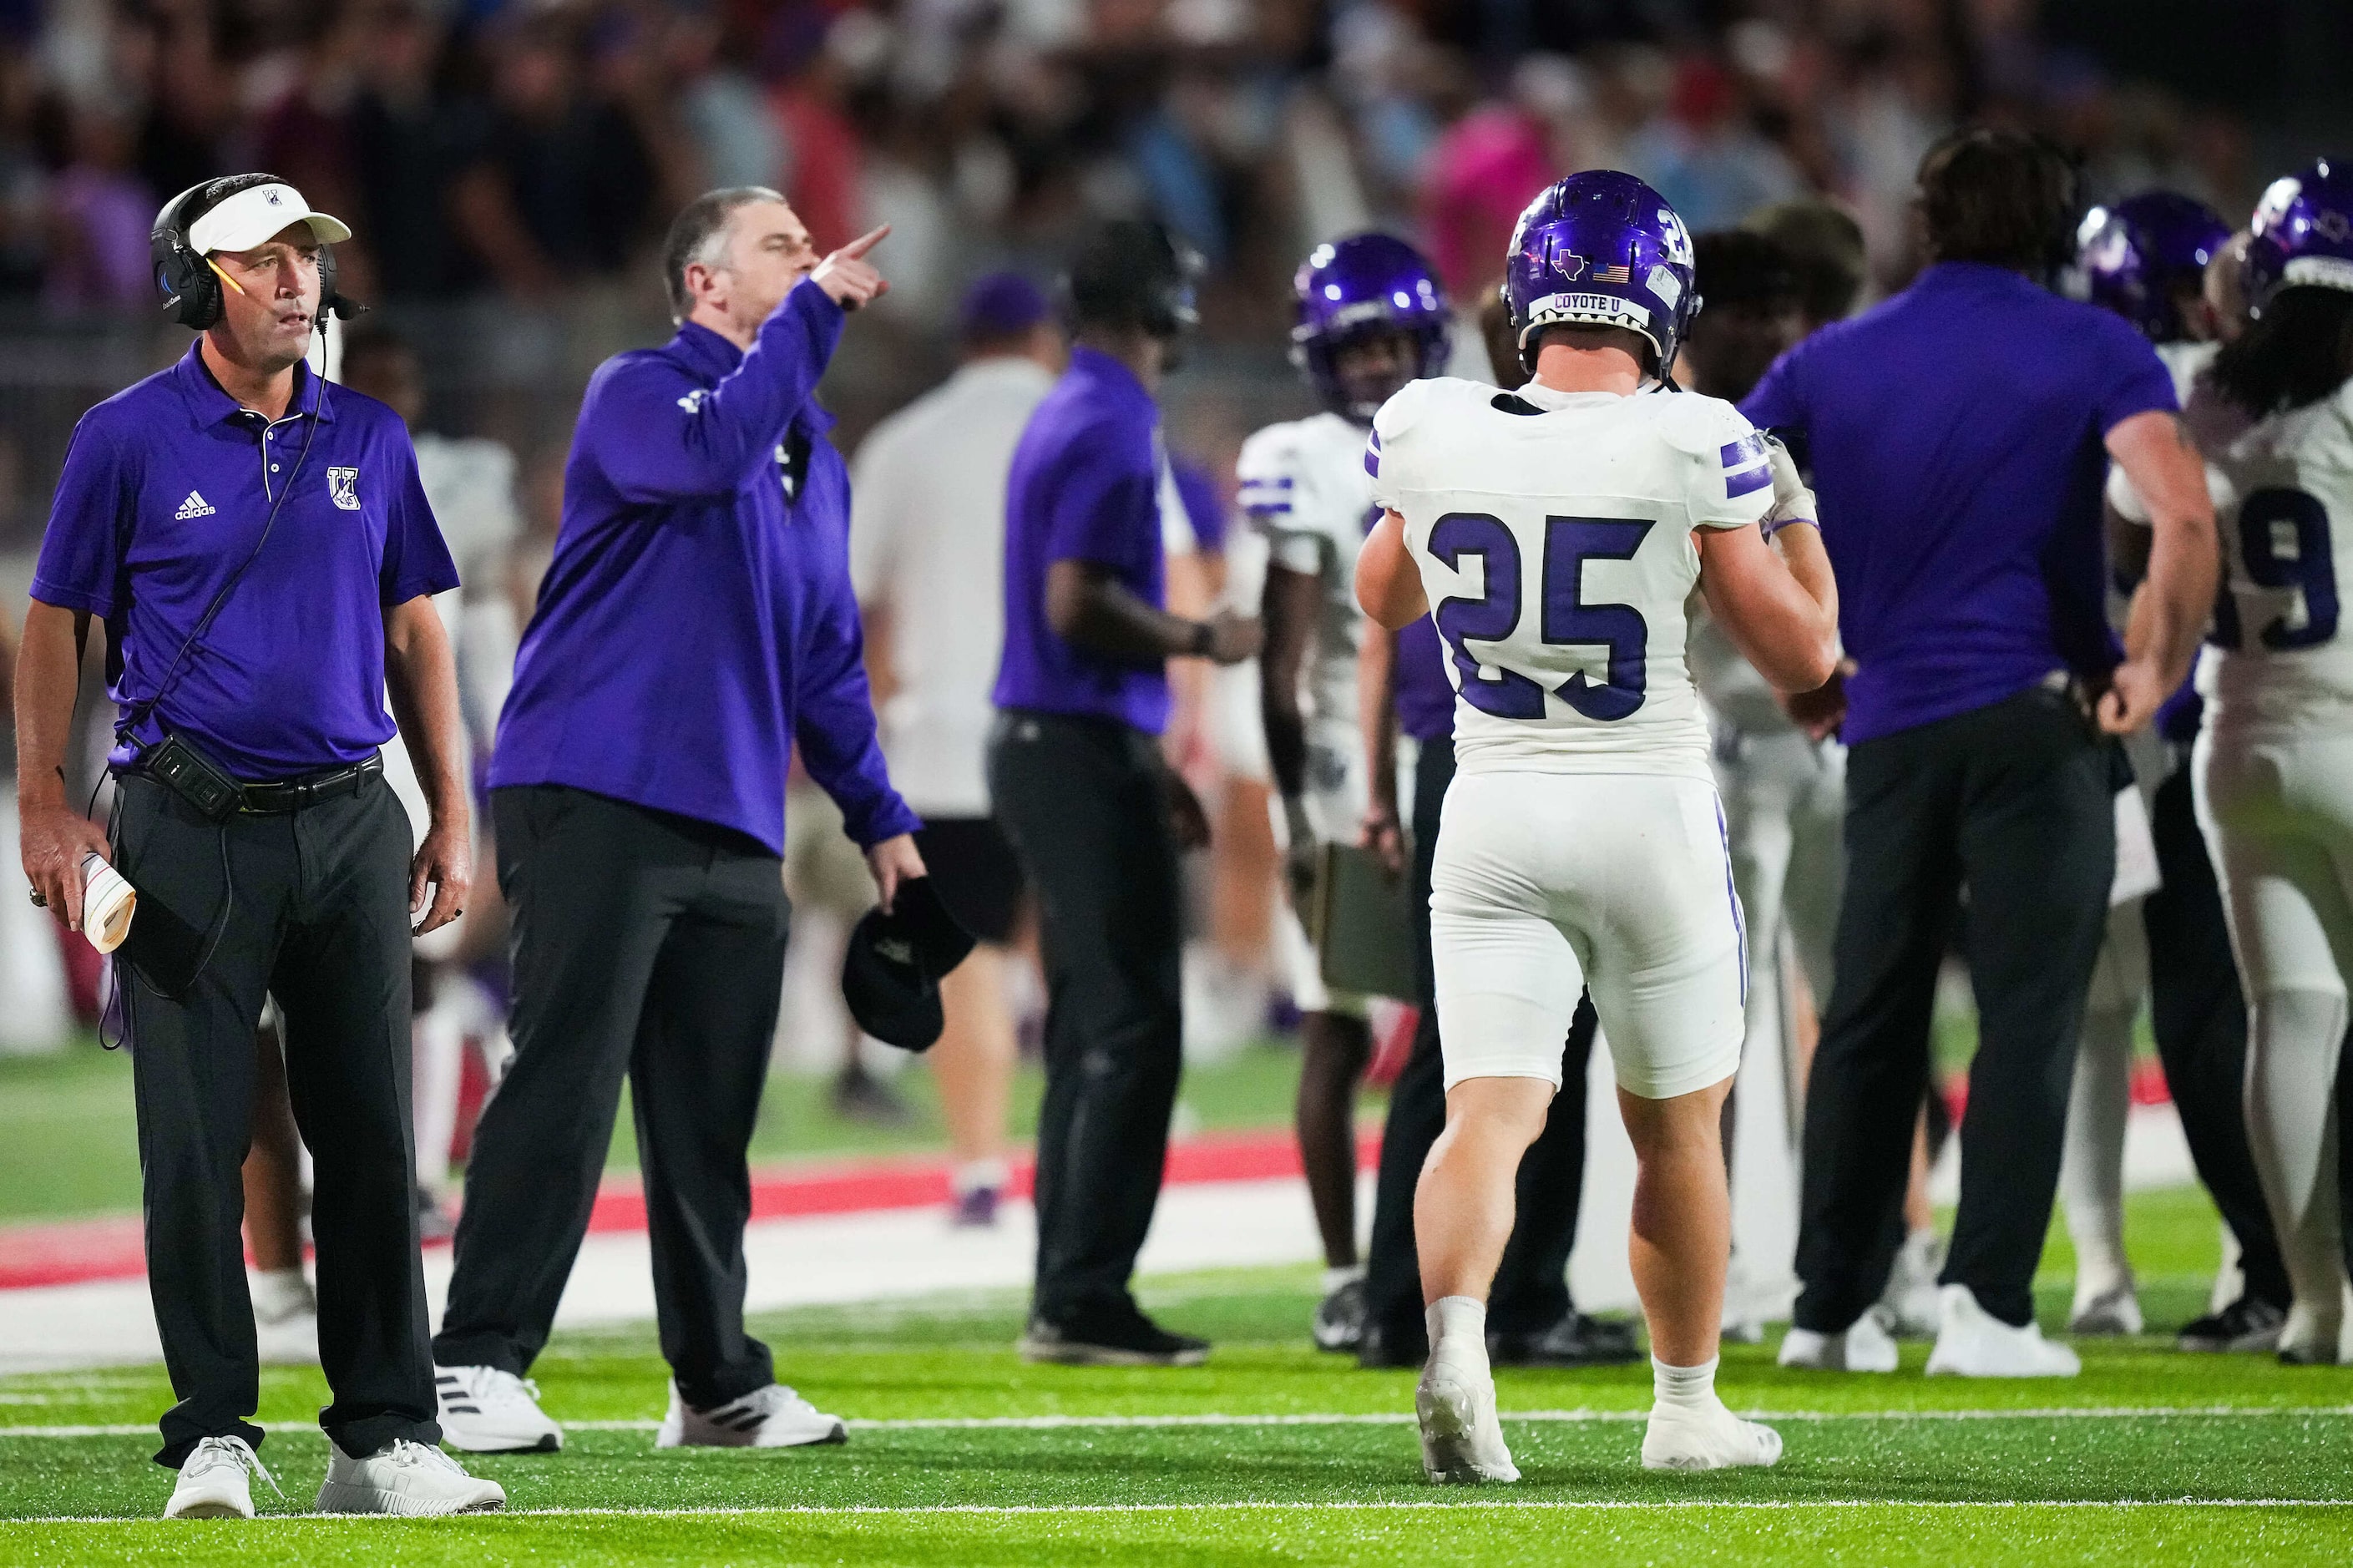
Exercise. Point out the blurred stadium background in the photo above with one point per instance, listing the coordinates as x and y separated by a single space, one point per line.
509 165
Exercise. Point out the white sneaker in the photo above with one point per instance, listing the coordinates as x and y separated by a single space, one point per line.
487 1411
290 1339
1708 1438
1863 1347
2115 1310
770 1417
213 1484
1975 1344
1910 1299
405 1478
1461 1441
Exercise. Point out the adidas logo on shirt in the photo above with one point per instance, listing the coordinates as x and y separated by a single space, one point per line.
194 506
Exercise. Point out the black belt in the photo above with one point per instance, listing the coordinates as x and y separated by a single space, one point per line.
282 796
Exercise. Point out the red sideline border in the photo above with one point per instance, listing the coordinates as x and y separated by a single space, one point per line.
76 1251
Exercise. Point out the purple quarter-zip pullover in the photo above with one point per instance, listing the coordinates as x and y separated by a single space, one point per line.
698 618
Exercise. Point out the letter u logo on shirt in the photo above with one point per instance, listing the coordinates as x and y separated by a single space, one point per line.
344 486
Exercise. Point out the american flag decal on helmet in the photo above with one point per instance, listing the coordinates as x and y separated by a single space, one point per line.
1618 274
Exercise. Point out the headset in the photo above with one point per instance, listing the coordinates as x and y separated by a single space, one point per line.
191 289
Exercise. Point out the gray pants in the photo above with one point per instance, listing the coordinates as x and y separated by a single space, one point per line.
650 946
314 910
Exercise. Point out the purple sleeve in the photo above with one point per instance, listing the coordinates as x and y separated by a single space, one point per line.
416 557
81 553
2131 378
834 723
657 436
1203 508
1778 402
1095 511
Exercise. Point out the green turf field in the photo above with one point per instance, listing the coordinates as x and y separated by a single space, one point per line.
68 1148
960 1454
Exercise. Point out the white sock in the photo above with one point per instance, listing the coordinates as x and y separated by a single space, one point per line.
438 1052
1691 1387
1334 1278
974 1175
2091 1171
279 1291
1458 1323
2292 1048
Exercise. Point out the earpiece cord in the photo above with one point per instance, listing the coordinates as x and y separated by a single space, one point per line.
218 927
125 726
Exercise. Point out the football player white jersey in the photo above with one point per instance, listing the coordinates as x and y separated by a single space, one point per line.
1304 483
2286 518
1554 534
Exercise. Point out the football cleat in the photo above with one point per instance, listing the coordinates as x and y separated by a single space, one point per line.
1461 1440
1710 1437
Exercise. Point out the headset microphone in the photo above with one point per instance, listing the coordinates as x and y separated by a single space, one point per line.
190 282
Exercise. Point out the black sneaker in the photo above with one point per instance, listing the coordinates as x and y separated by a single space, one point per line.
859 1096
1339 1322
2246 1324
1109 1339
433 1221
1575 1341
1380 1349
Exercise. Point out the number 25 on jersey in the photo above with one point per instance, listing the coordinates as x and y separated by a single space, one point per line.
1564 618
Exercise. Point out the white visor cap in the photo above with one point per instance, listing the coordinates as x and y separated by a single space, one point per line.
255 216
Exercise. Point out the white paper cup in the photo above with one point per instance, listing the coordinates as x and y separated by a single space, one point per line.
107 903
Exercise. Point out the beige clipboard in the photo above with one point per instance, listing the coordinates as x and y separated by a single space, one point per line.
1361 920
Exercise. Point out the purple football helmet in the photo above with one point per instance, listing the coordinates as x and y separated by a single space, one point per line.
2137 254
2302 233
1354 288
1601 248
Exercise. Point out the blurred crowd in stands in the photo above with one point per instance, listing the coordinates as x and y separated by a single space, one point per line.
531 149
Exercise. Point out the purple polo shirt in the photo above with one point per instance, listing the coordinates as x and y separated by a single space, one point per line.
698 618
1085 486
1955 436
1425 697
167 487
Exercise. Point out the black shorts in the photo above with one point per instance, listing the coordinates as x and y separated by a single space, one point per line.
979 879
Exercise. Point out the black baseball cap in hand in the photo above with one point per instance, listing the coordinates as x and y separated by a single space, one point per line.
890 975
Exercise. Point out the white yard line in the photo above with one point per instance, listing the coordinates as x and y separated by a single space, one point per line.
1379 1418
1531 1505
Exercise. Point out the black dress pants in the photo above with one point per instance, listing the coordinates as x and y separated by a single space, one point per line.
312 907
2199 1018
648 945
1531 1290
1085 803
2012 801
